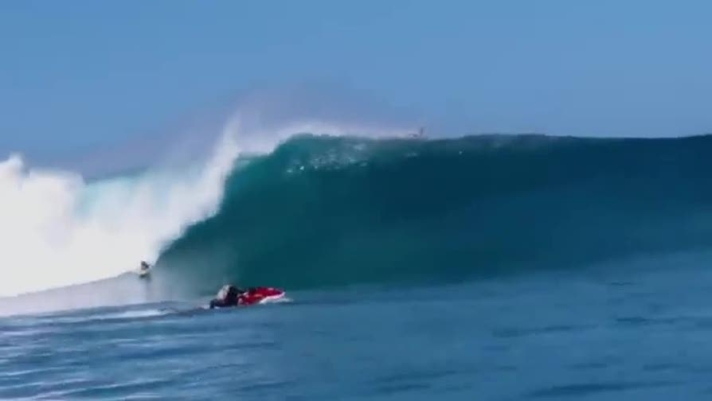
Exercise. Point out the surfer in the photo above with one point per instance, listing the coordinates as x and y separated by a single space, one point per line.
418 135
144 268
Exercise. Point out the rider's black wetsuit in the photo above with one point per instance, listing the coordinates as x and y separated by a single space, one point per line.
231 298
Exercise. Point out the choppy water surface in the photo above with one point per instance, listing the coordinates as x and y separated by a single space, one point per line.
642 334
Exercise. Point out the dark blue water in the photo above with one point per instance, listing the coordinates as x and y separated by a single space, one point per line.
637 329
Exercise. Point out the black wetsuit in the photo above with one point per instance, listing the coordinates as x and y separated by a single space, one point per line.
231 298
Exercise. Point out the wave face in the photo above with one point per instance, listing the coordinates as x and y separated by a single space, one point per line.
324 211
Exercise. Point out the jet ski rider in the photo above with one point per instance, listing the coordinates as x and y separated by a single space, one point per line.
229 295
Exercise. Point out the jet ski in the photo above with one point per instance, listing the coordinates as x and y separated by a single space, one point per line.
231 296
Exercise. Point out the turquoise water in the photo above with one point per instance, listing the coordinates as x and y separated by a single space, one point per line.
324 212
477 268
596 334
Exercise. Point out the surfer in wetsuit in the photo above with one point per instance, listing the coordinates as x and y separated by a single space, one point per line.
144 266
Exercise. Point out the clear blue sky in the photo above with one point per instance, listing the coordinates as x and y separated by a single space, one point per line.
79 74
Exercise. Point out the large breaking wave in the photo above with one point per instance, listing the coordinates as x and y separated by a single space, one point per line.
58 230
355 207
331 211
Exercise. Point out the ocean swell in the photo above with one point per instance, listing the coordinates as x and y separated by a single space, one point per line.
332 211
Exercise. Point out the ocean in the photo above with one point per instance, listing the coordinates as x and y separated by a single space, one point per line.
491 267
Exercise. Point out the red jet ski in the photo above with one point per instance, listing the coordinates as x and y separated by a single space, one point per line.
230 296
259 295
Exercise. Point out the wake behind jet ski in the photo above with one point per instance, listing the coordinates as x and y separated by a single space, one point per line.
230 296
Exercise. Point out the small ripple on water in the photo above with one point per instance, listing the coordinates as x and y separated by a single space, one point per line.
584 389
